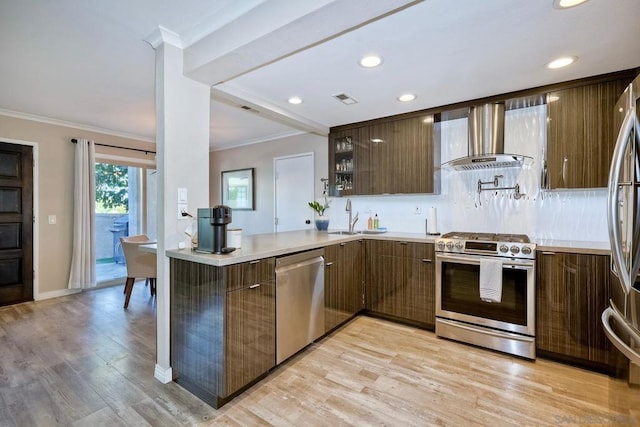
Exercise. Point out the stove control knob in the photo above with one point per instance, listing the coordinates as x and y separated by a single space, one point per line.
459 245
504 249
440 244
526 250
515 249
449 245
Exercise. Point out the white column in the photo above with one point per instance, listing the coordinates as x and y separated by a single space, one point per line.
182 114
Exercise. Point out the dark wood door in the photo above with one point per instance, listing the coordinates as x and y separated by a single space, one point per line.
343 282
250 334
572 292
16 223
582 134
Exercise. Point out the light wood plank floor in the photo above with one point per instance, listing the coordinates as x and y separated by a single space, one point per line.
84 361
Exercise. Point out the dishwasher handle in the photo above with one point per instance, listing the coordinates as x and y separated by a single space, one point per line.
299 264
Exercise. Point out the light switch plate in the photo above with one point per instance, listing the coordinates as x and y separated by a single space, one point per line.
182 195
52 219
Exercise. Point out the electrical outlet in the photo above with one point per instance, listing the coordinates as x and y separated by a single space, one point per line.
417 210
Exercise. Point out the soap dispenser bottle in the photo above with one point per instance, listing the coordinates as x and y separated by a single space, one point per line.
376 222
370 224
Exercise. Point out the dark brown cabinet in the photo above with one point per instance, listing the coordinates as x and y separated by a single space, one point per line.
400 280
249 334
572 292
222 326
344 282
581 135
386 157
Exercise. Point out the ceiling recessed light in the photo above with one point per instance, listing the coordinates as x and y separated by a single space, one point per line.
565 4
295 100
370 61
406 97
562 62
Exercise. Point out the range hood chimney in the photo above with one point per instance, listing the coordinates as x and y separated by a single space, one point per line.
486 141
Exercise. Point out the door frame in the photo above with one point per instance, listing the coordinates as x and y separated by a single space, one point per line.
290 156
36 222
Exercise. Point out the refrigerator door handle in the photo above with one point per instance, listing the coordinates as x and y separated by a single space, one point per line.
629 352
626 273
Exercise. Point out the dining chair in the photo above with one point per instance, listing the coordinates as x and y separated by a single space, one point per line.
139 264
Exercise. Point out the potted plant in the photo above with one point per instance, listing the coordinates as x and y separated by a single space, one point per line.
322 222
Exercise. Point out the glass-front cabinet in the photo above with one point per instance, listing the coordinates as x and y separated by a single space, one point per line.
386 156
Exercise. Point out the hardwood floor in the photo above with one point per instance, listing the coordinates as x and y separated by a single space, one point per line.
84 361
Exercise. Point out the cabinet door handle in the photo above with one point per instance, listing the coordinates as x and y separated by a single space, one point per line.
426 260
254 262
548 253
342 244
404 243
328 264
257 285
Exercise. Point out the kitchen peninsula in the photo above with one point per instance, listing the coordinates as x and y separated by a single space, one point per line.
223 306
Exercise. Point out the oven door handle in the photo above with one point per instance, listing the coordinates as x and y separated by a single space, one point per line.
476 261
486 331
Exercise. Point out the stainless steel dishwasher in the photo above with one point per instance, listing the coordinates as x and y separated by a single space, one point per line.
299 302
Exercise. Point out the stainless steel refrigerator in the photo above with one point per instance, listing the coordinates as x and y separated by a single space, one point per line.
621 320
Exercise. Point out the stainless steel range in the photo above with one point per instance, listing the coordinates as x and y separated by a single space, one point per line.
485 291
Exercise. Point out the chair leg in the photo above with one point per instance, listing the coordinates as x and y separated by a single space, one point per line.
128 287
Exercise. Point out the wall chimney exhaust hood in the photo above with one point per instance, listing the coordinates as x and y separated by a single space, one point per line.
486 141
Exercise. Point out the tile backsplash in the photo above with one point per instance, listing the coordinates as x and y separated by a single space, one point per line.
564 215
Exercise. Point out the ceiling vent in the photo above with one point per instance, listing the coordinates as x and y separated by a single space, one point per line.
247 108
345 99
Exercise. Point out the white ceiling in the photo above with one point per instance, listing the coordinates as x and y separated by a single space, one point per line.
86 62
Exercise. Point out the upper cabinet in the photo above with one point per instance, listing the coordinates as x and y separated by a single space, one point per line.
581 135
386 157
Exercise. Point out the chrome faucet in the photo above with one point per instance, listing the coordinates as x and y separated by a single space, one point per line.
352 222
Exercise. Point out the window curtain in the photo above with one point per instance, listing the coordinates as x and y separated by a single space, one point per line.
83 259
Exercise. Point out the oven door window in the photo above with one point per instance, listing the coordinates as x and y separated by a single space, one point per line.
461 293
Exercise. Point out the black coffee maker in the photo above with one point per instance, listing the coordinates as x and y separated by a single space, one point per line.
212 229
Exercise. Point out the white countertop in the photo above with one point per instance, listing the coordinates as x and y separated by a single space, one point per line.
573 246
276 244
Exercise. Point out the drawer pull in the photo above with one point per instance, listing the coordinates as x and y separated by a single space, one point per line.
257 285
404 243
342 244
548 253
254 262
426 260
328 264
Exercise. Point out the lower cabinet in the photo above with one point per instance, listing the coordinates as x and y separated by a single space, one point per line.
222 326
249 334
343 282
572 292
400 280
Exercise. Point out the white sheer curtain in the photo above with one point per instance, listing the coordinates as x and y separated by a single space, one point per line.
83 260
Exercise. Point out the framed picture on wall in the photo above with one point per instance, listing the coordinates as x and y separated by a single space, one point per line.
238 189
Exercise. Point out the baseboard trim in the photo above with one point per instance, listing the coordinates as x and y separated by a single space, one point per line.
164 375
56 294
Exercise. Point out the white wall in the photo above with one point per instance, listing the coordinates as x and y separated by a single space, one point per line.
260 156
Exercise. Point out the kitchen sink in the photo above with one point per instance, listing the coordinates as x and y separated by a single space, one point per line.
344 232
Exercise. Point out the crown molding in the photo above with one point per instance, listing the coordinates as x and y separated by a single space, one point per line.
261 140
164 35
80 126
